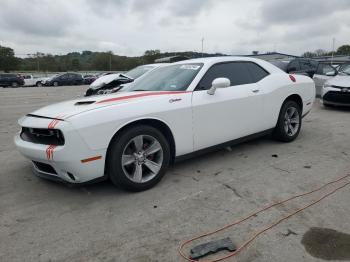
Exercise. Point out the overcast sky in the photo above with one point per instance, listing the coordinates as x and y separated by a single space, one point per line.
133 26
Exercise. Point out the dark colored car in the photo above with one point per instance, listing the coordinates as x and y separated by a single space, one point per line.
11 80
299 66
88 79
302 66
65 79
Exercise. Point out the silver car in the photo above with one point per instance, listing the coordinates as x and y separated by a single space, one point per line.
336 91
323 73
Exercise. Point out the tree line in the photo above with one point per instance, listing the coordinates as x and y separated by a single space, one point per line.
342 50
104 61
81 61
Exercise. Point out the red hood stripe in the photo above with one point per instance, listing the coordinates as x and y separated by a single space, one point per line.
142 95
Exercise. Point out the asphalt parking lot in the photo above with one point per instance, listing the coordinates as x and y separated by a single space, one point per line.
46 221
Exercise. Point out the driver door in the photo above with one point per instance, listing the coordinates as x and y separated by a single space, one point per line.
230 113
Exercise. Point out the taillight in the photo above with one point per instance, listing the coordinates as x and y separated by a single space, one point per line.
292 78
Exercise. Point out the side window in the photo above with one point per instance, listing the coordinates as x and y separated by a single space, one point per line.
305 65
293 66
257 73
235 71
323 69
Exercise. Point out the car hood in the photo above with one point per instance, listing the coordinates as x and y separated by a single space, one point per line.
67 109
105 80
339 80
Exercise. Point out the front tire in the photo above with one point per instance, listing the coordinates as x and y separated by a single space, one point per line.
138 158
39 84
55 83
289 122
14 84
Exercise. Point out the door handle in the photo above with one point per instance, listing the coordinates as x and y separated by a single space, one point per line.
256 91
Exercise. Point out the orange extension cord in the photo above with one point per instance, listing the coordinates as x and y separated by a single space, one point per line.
253 237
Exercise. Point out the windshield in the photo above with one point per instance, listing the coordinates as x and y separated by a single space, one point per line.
138 71
168 78
345 69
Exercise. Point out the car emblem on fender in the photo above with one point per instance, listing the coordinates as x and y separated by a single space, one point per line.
174 100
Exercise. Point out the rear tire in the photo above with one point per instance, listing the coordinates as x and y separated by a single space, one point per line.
14 84
289 122
138 158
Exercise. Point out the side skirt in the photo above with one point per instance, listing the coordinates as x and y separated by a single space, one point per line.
223 145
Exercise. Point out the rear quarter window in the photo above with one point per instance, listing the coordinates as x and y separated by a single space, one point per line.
257 72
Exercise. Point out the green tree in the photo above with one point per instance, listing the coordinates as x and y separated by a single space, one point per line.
75 64
8 61
308 54
343 50
151 55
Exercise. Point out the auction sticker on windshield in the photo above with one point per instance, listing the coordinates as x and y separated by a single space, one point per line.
190 67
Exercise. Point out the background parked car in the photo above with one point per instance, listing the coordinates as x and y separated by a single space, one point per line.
302 66
299 66
111 81
12 80
336 91
324 72
65 80
88 79
30 80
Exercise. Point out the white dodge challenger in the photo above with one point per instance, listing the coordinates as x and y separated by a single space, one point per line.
174 112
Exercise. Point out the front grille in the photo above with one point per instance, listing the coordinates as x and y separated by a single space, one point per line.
42 136
337 97
45 167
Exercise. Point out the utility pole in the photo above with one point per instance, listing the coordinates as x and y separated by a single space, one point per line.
37 61
202 46
333 50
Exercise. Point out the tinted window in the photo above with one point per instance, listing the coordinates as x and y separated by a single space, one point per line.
257 72
237 72
294 66
305 65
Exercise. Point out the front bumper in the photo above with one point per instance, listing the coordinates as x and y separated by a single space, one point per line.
63 163
336 98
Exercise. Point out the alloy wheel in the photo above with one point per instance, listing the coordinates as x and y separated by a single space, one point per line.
291 121
142 158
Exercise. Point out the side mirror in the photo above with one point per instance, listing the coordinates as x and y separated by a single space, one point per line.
221 82
331 73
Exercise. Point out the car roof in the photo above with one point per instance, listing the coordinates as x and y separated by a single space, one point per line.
157 64
209 61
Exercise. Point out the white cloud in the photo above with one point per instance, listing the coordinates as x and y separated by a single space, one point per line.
131 27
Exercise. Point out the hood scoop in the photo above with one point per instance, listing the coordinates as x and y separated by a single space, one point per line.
84 103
